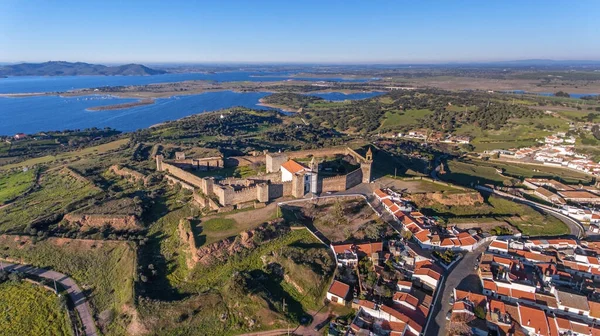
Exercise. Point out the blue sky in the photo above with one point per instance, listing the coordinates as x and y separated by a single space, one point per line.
368 31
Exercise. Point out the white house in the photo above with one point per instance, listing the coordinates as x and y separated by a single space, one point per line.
338 292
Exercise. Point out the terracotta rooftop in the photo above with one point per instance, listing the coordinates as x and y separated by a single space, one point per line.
293 167
339 289
499 244
534 318
380 193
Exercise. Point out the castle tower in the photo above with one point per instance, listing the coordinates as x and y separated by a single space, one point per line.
298 185
366 166
314 176
262 192
159 160
369 155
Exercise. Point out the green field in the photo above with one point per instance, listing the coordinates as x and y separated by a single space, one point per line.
104 269
471 172
57 193
14 184
218 224
526 219
27 309
404 118
517 133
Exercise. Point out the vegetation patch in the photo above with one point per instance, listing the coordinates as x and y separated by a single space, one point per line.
57 194
15 184
104 269
29 309
218 224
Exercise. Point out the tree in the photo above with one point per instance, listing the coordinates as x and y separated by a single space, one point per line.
562 94
480 312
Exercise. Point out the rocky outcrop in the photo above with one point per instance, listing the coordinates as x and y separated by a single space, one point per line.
220 252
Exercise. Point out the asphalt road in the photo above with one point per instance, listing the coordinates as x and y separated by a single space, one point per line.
462 276
75 293
574 226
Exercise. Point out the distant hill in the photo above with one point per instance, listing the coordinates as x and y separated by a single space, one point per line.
76 69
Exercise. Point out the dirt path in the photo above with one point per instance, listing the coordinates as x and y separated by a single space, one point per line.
75 293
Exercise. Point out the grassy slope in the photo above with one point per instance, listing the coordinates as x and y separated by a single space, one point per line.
55 194
526 219
104 268
31 310
220 294
90 151
14 184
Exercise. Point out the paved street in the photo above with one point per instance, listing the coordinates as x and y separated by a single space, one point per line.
75 293
462 276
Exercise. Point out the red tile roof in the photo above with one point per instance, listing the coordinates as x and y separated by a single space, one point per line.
341 248
594 308
422 236
406 297
499 244
370 248
427 271
339 289
380 193
534 318
293 167
477 299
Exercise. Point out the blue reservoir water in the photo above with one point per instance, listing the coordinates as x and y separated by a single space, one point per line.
28 84
49 113
46 113
550 94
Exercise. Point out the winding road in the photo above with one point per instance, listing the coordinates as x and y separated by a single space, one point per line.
75 293
575 227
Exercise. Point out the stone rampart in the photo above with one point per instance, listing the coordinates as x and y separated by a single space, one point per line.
184 229
127 173
117 222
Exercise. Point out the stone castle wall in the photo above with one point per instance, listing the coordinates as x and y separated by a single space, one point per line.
354 178
127 173
184 229
331 184
117 222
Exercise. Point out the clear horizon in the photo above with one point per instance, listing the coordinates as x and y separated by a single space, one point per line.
310 32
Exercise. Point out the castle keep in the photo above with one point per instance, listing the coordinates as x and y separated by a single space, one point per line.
285 176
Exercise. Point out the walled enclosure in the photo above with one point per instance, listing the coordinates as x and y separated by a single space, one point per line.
233 191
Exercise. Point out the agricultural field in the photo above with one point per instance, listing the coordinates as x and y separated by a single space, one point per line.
14 184
57 193
403 118
29 309
105 269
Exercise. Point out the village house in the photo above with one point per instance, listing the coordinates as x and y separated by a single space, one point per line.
338 292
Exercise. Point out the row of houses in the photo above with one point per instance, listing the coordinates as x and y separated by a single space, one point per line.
541 287
425 230
429 136
407 311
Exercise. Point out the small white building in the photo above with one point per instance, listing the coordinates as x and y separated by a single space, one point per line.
338 292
